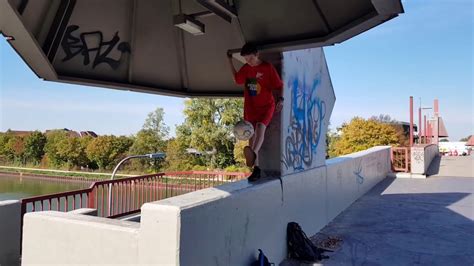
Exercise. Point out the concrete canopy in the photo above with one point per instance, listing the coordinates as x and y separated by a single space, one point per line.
136 44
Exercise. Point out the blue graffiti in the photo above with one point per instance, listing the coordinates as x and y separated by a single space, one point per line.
357 173
306 124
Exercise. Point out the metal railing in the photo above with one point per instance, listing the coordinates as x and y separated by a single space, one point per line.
128 194
400 157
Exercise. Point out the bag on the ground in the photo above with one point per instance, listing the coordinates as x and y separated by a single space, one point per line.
300 246
262 260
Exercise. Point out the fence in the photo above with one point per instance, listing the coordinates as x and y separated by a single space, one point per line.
128 194
400 157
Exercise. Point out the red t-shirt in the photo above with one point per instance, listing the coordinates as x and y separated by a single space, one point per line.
259 81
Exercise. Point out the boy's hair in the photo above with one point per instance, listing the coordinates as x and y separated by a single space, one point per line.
248 49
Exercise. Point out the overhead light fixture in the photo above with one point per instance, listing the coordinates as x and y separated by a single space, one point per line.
189 24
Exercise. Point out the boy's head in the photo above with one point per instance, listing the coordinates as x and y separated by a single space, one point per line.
250 52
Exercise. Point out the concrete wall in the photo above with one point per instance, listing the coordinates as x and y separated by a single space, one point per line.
65 238
10 229
226 225
309 100
422 156
216 226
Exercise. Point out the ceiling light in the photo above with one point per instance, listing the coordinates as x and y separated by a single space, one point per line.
189 24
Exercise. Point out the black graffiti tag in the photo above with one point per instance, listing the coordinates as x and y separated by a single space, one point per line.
74 46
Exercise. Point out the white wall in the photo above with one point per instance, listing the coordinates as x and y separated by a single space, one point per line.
309 100
422 156
60 238
215 226
226 225
10 229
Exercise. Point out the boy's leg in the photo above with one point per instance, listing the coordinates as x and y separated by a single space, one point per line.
258 137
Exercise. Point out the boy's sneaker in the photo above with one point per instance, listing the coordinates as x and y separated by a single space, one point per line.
256 174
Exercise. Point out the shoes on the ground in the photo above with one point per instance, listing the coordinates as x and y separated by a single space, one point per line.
256 174
250 156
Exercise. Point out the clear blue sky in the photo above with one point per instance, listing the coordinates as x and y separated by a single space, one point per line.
426 52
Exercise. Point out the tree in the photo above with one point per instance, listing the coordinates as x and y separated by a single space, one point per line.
177 158
155 123
466 138
403 140
360 134
55 139
150 139
73 151
16 149
207 128
5 151
34 147
106 151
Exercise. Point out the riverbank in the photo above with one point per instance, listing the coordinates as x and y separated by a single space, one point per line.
57 174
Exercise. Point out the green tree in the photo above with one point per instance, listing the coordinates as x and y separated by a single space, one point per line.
150 139
5 151
34 147
360 134
16 149
54 141
207 128
177 158
106 151
73 151
466 138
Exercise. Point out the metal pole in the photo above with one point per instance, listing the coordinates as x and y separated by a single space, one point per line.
151 156
436 122
419 125
411 121
424 132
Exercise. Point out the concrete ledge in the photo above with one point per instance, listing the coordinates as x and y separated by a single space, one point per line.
406 175
62 238
10 231
84 211
232 221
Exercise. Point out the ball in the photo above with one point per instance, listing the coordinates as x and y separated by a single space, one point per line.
243 130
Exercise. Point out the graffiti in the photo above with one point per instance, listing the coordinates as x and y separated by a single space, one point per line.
418 155
89 43
357 173
306 124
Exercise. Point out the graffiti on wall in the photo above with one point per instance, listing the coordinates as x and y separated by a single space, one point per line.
92 45
305 127
358 173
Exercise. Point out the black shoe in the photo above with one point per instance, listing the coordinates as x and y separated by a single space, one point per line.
255 174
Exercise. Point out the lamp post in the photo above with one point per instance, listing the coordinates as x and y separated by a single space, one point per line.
150 156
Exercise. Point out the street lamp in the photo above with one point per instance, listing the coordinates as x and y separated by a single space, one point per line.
150 156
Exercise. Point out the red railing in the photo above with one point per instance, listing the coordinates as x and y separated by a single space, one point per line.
400 157
128 194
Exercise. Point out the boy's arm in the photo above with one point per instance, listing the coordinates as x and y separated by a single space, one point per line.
232 67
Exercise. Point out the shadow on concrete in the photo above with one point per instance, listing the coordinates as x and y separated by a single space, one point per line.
397 223
433 169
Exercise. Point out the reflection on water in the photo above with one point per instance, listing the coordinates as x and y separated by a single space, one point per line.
16 187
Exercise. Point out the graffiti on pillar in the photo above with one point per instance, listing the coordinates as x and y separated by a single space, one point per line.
91 45
309 101
305 126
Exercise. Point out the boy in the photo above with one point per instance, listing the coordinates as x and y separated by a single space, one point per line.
260 79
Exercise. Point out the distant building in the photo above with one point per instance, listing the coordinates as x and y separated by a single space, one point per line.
88 133
19 133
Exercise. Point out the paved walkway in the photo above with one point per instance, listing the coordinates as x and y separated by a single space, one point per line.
408 222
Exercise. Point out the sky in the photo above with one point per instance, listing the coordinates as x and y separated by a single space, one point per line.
427 53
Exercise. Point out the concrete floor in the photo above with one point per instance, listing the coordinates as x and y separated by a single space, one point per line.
408 222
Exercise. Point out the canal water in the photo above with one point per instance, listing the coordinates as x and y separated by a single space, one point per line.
16 187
